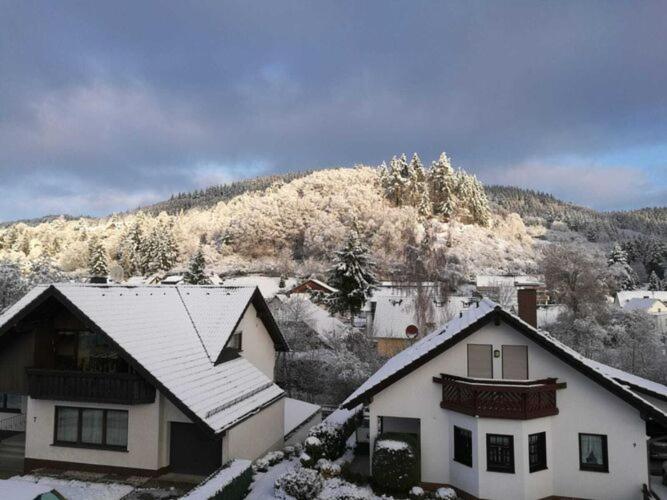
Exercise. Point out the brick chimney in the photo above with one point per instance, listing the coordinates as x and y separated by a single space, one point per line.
527 298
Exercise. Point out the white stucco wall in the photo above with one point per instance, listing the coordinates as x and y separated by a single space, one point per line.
256 435
584 407
257 345
143 436
168 413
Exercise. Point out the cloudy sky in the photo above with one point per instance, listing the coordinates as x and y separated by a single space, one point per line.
108 105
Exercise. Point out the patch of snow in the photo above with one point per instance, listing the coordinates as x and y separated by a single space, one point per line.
297 412
77 490
391 444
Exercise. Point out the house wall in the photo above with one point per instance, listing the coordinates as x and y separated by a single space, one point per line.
389 347
143 436
168 413
257 344
256 435
584 407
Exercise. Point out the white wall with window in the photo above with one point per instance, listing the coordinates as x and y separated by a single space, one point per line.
255 341
585 407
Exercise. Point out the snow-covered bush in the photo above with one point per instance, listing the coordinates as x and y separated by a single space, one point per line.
329 437
337 489
289 451
416 493
395 463
274 457
314 448
445 494
231 482
261 465
302 484
306 460
327 468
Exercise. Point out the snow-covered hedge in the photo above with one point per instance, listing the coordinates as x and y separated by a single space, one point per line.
332 434
395 462
445 494
231 482
302 484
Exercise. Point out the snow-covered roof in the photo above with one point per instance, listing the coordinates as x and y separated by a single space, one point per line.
494 280
176 333
268 285
639 304
627 295
471 320
633 381
297 413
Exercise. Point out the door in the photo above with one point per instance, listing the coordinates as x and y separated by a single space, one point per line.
192 451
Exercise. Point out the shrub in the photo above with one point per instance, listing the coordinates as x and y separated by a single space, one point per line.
395 463
327 468
302 484
289 451
337 489
333 433
231 482
445 494
274 457
261 465
306 460
314 448
417 493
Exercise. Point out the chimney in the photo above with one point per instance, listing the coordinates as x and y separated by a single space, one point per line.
527 298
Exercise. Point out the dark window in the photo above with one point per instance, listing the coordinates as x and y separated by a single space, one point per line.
236 341
86 351
463 446
537 451
10 402
500 453
480 361
91 428
593 452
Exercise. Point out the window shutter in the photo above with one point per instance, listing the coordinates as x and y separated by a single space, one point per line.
480 361
515 362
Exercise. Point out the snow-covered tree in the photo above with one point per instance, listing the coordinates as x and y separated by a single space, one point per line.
13 285
654 282
352 275
621 274
131 250
97 258
442 186
393 181
196 273
160 250
617 255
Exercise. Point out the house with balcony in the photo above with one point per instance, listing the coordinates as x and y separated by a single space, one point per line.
502 410
142 379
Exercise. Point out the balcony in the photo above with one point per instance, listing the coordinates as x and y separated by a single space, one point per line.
116 388
519 400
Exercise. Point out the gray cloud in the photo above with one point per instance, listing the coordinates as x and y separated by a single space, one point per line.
134 101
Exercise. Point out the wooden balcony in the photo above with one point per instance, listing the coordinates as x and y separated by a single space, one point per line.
117 388
521 400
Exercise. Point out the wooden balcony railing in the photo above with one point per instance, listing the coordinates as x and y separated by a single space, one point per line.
520 400
118 388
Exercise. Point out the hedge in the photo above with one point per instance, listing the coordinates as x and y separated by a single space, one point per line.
230 482
332 433
396 465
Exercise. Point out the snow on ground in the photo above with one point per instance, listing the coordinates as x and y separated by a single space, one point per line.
21 490
262 486
77 490
297 412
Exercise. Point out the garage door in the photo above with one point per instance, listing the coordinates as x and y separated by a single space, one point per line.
192 451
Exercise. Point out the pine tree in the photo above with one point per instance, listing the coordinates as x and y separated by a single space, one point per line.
392 181
97 258
353 277
196 273
281 282
654 282
159 251
131 250
617 255
442 186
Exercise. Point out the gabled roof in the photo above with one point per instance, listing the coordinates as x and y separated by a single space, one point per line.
640 304
172 335
470 321
626 295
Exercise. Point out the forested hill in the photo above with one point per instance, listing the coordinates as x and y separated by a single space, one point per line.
205 198
544 208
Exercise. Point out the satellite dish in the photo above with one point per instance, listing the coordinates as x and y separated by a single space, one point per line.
412 331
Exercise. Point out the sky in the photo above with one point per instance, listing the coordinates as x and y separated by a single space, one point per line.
106 106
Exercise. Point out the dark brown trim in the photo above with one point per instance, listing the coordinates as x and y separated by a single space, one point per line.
505 469
80 443
643 390
604 468
30 464
647 411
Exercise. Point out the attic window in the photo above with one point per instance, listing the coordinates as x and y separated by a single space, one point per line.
236 341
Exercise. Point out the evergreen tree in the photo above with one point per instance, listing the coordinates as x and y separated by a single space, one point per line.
353 277
281 282
196 273
442 186
131 250
393 182
159 252
97 259
654 282
617 255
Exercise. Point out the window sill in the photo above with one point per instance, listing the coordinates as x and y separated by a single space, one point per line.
593 469
502 471
10 410
122 449
531 471
462 463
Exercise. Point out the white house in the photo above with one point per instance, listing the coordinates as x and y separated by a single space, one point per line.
504 411
143 380
652 306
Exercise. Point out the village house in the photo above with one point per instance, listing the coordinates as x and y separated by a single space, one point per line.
652 303
502 410
142 380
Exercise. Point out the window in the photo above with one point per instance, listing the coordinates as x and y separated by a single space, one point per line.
91 428
236 341
500 453
537 451
593 452
10 402
480 361
86 351
515 362
463 446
